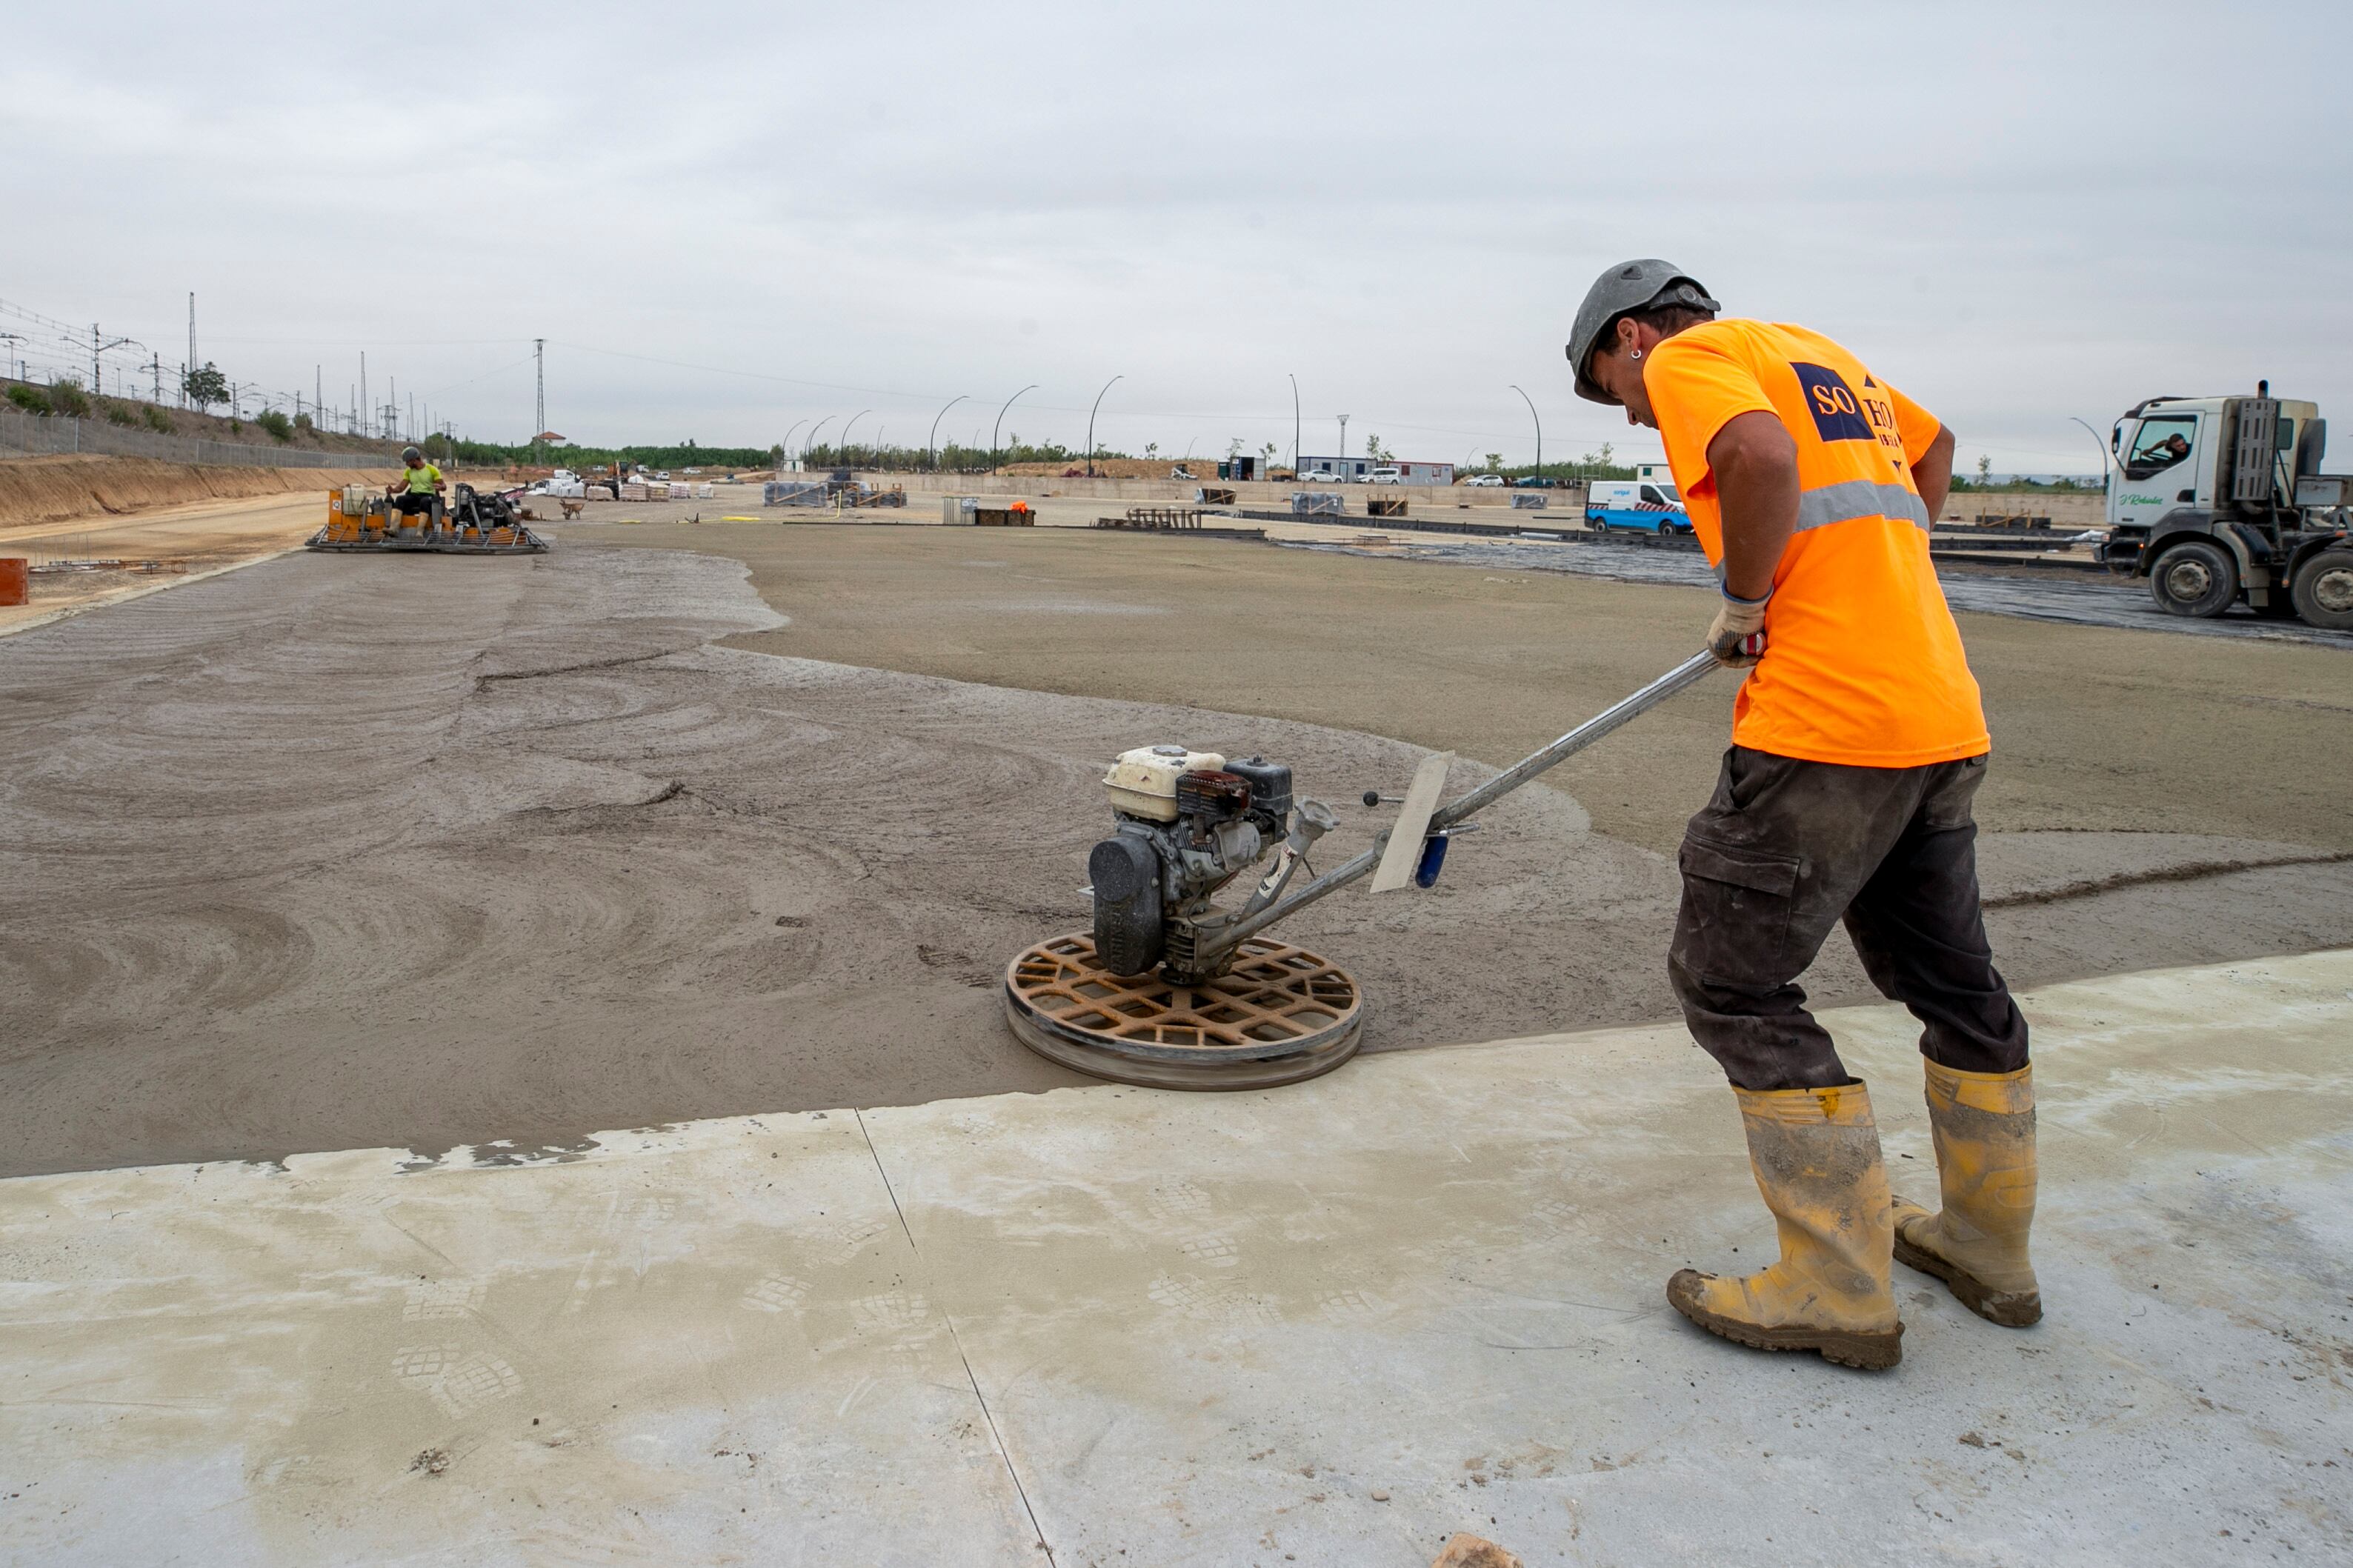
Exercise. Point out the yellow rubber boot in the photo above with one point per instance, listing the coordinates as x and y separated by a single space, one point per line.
1816 1155
1984 1126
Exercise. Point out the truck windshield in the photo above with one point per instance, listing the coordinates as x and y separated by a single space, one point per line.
2159 444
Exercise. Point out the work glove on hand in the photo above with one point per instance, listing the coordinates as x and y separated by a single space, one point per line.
1737 636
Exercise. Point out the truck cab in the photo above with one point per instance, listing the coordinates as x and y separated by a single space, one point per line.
2218 502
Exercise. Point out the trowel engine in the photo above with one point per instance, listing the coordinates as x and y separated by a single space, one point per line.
1187 824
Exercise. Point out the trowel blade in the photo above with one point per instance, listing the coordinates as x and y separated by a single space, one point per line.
1403 850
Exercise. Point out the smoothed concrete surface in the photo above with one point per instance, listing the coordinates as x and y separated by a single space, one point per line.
1163 1329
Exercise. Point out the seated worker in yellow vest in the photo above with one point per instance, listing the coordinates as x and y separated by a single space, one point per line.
413 492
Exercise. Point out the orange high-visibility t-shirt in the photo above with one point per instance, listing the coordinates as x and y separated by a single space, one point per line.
1863 663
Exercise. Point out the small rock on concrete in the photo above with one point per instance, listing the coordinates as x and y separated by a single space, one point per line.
1471 1551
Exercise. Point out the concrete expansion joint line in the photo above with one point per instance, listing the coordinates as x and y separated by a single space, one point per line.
957 1340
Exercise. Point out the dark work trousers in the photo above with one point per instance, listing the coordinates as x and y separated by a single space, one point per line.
1784 848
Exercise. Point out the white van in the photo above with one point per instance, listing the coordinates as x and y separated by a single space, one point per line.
1644 506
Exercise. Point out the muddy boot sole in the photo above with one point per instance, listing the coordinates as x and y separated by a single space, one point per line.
2010 1309
1864 1350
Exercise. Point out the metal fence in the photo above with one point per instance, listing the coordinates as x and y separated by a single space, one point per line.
38 434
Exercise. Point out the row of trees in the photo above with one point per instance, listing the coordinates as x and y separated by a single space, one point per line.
673 455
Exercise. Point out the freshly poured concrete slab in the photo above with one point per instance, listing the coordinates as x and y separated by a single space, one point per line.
1332 1324
707 1344
1212 1329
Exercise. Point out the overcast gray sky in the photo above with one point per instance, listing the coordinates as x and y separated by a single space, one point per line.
726 219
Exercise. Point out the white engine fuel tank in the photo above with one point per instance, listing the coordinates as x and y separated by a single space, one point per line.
1143 782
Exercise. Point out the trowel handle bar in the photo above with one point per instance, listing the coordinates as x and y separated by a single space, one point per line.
1687 674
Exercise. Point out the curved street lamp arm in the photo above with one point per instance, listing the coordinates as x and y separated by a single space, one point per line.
993 463
811 440
1532 414
2102 446
933 444
841 442
1091 425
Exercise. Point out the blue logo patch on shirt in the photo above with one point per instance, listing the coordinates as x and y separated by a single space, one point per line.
1837 415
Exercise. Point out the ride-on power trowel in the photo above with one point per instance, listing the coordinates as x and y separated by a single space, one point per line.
472 523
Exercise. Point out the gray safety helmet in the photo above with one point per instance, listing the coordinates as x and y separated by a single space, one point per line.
408 452
1628 286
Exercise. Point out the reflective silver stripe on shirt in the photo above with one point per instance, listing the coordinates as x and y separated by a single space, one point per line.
1850 499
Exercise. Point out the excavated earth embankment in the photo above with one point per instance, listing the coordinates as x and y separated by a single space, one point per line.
35 490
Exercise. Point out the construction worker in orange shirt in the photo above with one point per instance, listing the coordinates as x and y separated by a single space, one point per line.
1858 745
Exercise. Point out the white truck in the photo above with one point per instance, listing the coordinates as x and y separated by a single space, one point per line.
2221 501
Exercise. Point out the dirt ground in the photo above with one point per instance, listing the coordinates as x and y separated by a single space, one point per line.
158 548
336 852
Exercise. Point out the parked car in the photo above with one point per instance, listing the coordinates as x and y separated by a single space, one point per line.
1644 506
1386 476
1486 481
1320 476
1536 482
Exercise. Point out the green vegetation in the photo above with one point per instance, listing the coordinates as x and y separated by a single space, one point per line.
303 423
67 397
28 398
281 429
682 455
118 412
2065 485
158 420
205 387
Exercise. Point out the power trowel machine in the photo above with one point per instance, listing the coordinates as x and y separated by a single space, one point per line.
1172 988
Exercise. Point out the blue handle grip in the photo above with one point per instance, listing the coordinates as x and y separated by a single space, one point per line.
1433 857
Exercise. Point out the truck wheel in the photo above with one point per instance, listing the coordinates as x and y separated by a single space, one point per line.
2194 578
2323 590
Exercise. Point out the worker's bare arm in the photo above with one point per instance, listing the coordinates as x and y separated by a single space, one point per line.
1932 476
1755 462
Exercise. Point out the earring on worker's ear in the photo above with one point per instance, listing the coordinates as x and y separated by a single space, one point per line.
1636 354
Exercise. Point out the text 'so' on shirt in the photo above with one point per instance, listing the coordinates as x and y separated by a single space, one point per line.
1863 663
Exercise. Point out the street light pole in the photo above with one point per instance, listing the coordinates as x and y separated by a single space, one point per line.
785 446
841 442
1091 426
2102 446
933 444
810 442
1295 425
1343 443
993 463
1532 414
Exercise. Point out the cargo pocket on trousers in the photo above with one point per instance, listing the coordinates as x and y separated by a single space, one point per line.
1735 923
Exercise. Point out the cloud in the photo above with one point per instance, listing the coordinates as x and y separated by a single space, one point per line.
2019 214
